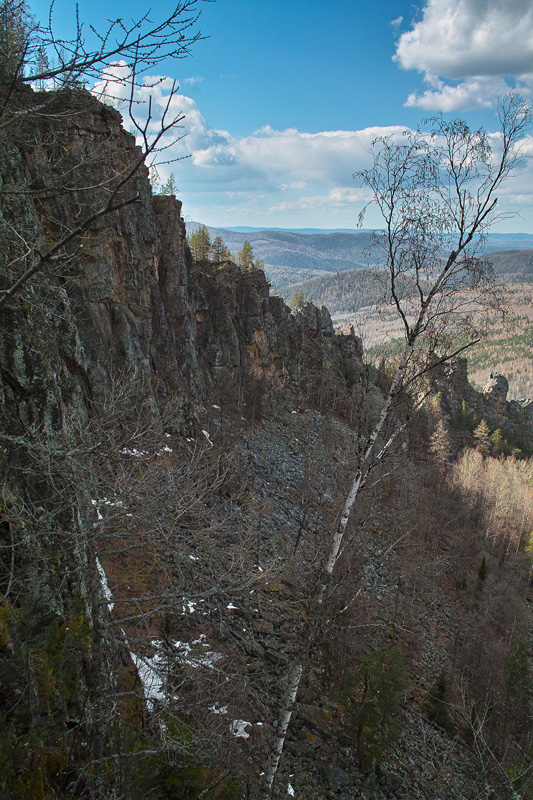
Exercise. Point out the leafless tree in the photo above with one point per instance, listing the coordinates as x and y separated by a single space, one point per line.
32 54
436 192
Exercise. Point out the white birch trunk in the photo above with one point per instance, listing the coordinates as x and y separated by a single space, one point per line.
297 673
275 757
364 461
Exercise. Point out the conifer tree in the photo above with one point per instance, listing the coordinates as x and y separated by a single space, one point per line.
482 438
200 244
15 30
245 258
219 251
297 300
170 187
440 444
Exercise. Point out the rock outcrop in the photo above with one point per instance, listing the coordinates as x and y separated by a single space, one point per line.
131 300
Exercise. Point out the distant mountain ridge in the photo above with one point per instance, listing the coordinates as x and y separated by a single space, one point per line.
347 292
293 256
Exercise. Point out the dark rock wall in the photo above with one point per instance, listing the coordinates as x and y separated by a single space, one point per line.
129 300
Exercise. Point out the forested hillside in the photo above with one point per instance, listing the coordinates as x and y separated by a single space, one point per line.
347 292
292 257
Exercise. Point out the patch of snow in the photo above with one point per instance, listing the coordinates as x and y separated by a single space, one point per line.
206 434
194 558
189 606
103 581
165 449
167 435
217 407
290 791
238 728
218 709
231 607
132 451
112 503
186 656
147 669
98 512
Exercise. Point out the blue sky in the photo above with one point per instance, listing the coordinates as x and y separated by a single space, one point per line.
284 97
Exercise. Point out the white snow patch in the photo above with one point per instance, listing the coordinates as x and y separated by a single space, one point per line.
217 407
147 669
238 728
167 435
105 586
186 656
112 503
132 451
165 449
290 791
231 607
206 434
216 709
189 606
194 558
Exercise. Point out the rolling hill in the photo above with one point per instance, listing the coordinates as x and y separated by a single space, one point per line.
292 256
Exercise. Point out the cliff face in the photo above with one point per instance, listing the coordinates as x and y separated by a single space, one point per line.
129 299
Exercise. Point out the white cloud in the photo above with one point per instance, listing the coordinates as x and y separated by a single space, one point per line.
194 79
460 38
471 41
288 177
470 94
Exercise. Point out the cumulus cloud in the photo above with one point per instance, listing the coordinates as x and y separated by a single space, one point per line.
470 41
288 177
469 94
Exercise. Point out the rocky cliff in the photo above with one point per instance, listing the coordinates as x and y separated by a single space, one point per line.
128 297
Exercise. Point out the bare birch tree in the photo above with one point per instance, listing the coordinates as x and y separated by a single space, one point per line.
31 54
436 193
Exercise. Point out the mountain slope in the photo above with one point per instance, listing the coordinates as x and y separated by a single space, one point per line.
293 256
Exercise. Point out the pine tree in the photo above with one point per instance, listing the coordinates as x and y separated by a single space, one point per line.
482 438
219 251
496 439
170 187
15 30
297 300
200 244
440 444
245 258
